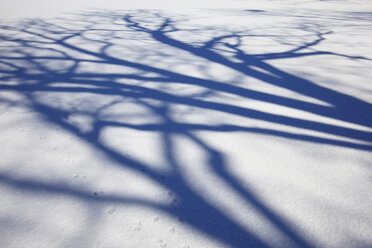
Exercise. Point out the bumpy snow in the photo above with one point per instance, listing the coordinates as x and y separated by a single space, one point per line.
182 124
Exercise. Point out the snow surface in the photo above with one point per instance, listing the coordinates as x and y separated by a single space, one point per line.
185 123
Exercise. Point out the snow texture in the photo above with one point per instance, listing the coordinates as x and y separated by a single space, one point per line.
185 124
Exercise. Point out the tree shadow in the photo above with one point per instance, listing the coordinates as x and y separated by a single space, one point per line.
46 57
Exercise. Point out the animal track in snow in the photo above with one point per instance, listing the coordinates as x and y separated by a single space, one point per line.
78 176
163 245
138 227
172 198
25 129
174 202
111 211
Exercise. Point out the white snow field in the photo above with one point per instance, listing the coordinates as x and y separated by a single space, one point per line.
185 124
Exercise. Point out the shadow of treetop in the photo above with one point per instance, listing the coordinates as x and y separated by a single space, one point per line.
94 54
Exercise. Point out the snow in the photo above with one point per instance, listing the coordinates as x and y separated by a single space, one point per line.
185 124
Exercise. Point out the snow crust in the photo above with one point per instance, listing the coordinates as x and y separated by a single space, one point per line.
185 123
